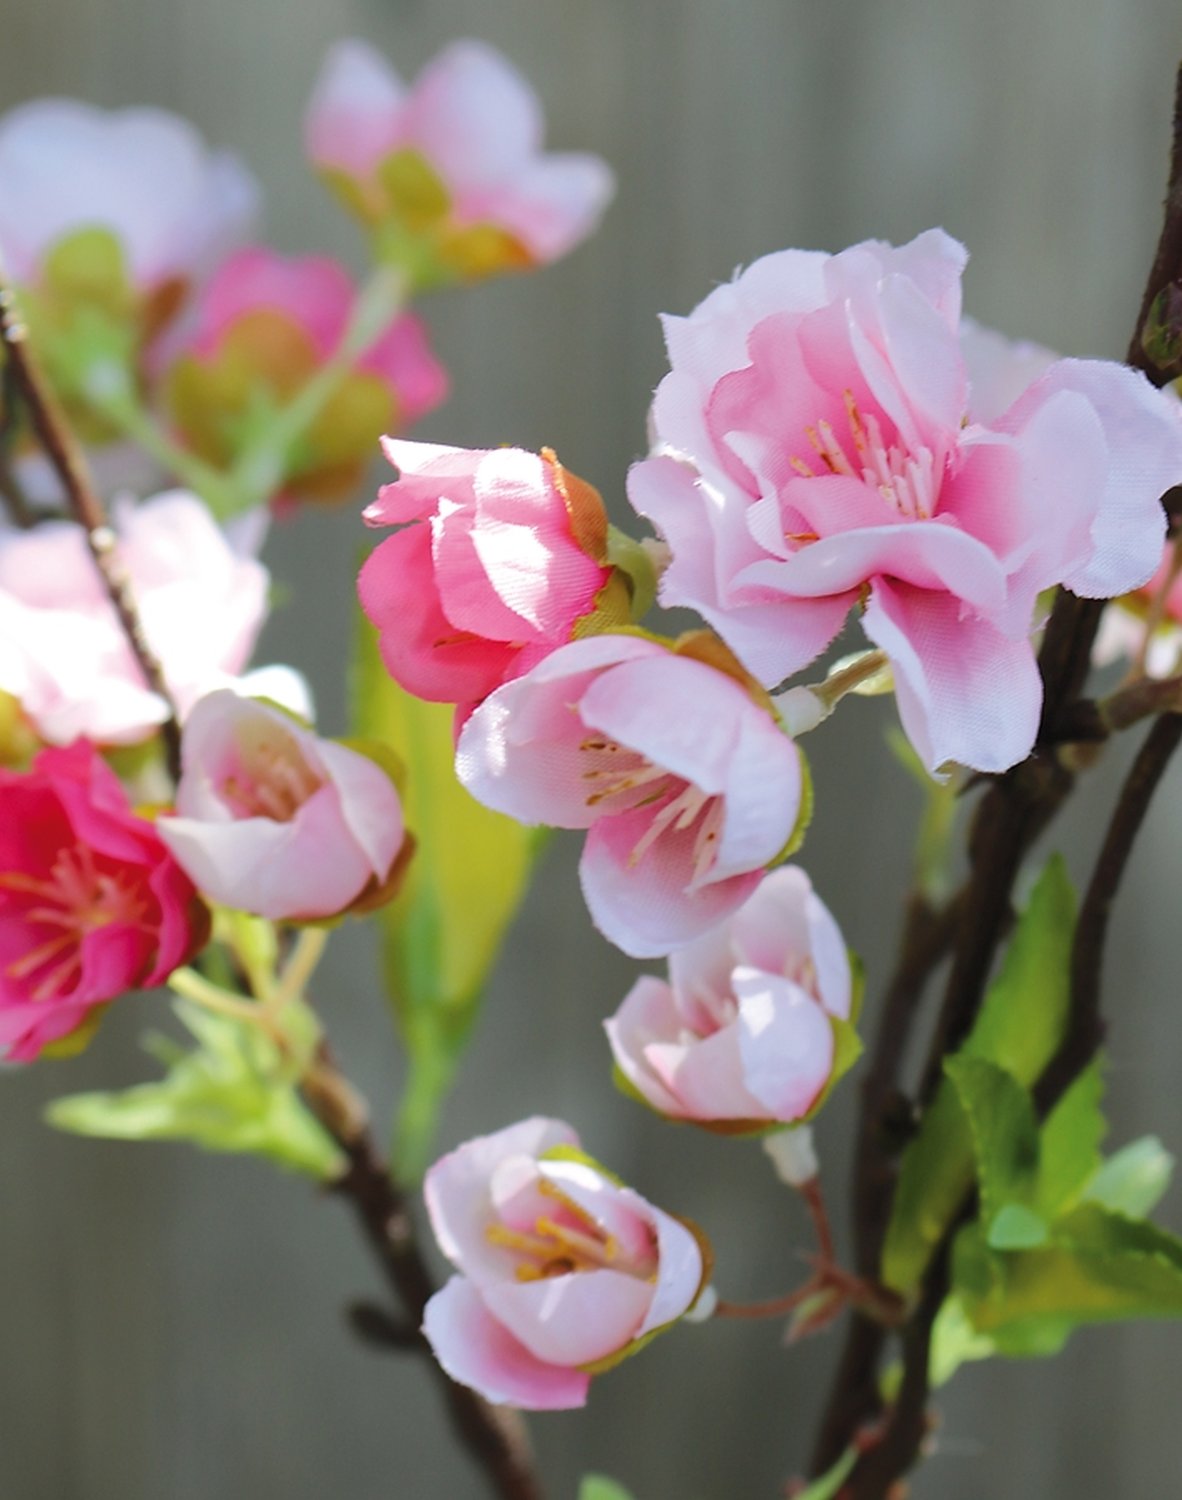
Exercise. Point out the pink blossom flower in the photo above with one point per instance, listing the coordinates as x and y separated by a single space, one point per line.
502 557
63 653
563 1269
450 171
683 778
91 902
816 452
1146 626
273 820
263 327
143 175
743 1031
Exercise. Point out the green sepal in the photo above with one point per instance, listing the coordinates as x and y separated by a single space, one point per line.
847 1049
233 1092
598 1487
828 1486
635 562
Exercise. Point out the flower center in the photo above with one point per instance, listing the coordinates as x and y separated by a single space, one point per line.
908 482
270 780
615 771
561 1243
76 898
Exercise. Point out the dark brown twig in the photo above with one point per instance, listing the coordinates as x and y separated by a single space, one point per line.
54 434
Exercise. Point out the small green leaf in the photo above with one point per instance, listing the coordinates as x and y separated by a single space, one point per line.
596 1487
1015 1227
1071 1140
1133 1181
233 1092
1004 1131
442 933
955 1342
1018 1030
831 1482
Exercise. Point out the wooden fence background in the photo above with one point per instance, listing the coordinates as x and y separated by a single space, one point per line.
169 1324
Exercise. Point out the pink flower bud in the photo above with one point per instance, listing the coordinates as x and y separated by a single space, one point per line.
450 171
91 902
742 1032
500 556
275 821
563 1269
819 450
63 652
675 765
263 327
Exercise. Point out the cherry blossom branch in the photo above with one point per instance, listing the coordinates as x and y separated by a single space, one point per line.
19 511
62 449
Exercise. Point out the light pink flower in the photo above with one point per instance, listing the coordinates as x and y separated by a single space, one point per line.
816 453
63 653
173 206
273 820
262 328
742 1032
453 165
91 902
685 782
502 554
563 1269
1140 627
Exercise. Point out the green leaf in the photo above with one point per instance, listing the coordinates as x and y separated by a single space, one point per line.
831 1482
955 1342
1004 1132
1132 1181
596 1487
442 933
233 1092
1017 1030
1071 1140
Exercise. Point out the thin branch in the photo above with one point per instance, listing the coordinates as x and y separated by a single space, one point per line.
62 450
1085 1028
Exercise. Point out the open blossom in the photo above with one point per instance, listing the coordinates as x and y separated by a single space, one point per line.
91 902
262 328
563 1269
63 652
449 171
273 820
684 780
1146 625
502 554
742 1032
817 452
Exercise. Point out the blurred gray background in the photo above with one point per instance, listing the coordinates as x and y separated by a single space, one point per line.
170 1324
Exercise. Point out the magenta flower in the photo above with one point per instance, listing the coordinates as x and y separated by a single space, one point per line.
502 556
684 780
743 1031
450 171
817 452
262 328
63 653
273 820
91 902
563 1269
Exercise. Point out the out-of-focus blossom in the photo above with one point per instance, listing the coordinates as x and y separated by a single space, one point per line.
743 1031
91 902
816 453
1145 627
108 219
450 172
262 329
668 755
502 559
563 1269
273 820
63 653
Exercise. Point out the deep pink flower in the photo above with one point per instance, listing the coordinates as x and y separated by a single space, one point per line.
63 653
91 902
816 452
263 327
684 779
502 555
562 1267
450 171
743 1031
273 820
